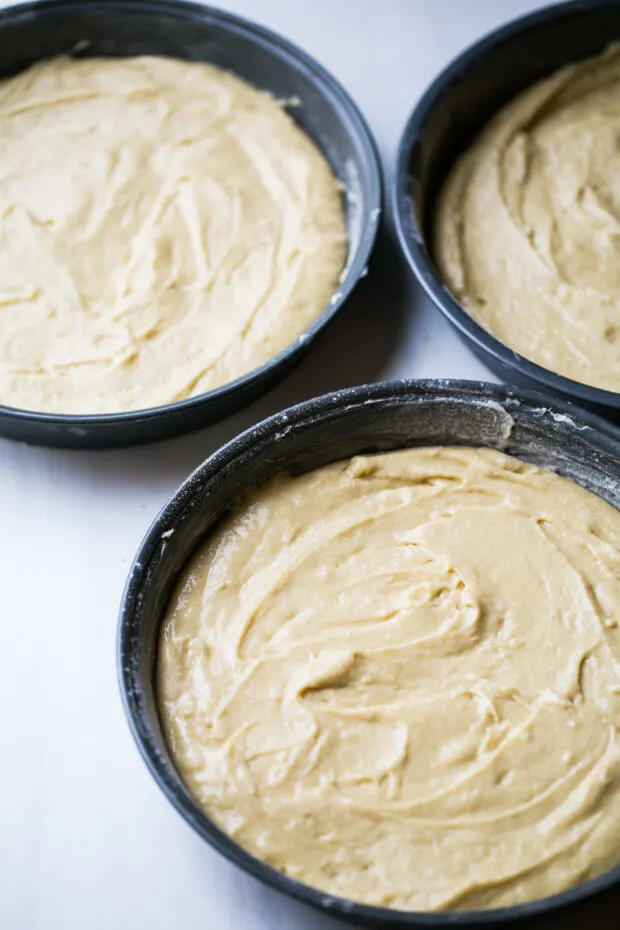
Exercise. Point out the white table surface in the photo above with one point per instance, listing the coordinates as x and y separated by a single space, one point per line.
86 838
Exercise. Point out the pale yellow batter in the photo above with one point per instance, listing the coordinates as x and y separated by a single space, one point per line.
398 679
165 229
527 233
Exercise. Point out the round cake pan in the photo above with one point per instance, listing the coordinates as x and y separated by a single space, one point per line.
122 28
444 123
577 444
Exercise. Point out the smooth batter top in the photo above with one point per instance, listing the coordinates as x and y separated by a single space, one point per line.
165 229
398 679
527 233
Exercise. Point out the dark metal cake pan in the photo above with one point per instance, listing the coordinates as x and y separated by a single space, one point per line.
122 28
579 445
443 124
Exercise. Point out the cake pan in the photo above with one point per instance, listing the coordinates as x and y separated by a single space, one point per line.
449 115
121 28
375 418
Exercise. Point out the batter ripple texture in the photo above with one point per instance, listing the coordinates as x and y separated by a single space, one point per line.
527 232
397 679
166 228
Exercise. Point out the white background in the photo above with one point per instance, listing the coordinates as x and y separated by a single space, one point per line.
86 838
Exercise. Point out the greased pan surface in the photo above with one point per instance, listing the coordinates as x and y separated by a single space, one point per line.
373 418
39 30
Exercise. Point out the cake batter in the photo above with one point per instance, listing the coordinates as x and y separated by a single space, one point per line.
397 679
165 229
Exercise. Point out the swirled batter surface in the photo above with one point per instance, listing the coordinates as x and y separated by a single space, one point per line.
165 229
527 234
398 679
